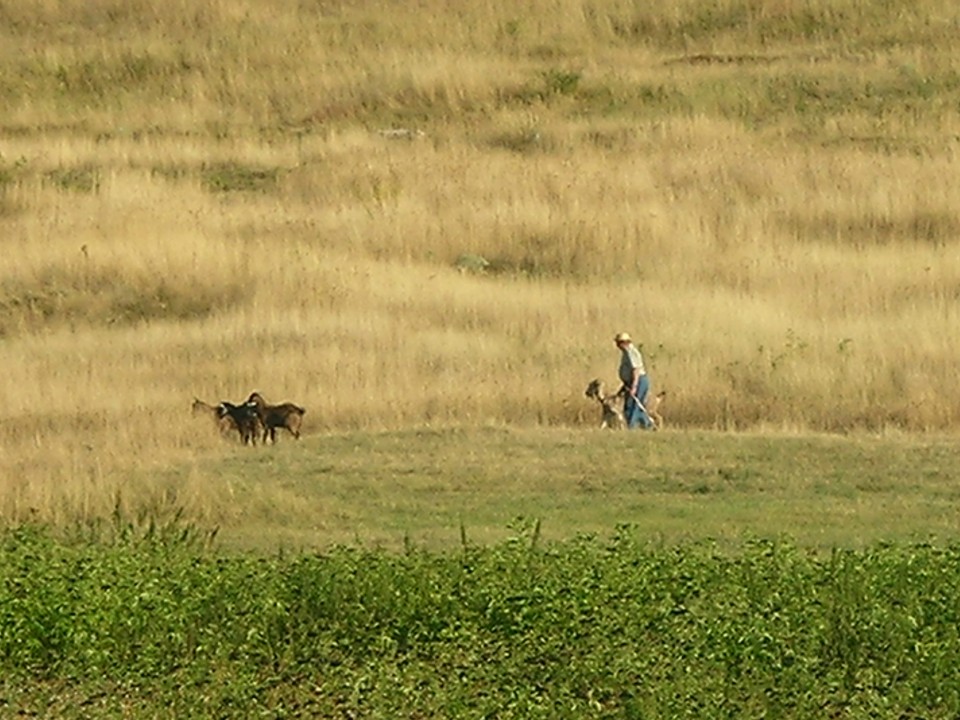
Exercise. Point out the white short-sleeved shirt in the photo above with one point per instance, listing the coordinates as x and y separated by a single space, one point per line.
630 358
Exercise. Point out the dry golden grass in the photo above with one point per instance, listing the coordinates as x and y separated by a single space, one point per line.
195 201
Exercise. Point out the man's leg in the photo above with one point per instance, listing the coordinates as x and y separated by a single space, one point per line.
643 389
631 413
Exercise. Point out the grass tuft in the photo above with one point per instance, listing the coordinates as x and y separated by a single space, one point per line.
236 177
84 179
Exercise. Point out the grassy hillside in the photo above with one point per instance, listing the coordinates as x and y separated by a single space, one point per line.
205 199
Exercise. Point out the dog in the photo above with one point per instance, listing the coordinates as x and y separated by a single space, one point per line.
611 410
653 409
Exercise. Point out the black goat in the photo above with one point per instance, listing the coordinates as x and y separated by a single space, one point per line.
245 417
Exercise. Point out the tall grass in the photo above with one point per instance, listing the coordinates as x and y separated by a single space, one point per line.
194 200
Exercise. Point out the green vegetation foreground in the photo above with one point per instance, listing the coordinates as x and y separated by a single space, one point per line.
149 624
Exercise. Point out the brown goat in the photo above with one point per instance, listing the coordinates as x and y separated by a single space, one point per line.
285 415
225 424
244 417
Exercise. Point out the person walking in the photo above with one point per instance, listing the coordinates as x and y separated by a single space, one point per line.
636 384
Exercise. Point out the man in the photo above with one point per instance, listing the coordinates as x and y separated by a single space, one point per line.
636 384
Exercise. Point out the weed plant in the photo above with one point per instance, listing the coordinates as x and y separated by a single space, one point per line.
148 623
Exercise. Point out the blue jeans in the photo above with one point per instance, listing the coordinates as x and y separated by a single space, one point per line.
632 412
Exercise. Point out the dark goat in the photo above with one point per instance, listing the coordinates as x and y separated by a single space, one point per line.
245 417
286 415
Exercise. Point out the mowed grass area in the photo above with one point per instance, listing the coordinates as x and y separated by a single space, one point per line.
435 488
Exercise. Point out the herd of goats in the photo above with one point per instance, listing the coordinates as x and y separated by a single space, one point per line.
255 419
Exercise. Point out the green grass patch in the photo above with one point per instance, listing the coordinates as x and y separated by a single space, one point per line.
234 177
384 489
775 91
924 227
83 178
753 22
99 296
96 79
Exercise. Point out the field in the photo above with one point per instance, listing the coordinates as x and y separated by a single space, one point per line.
425 222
